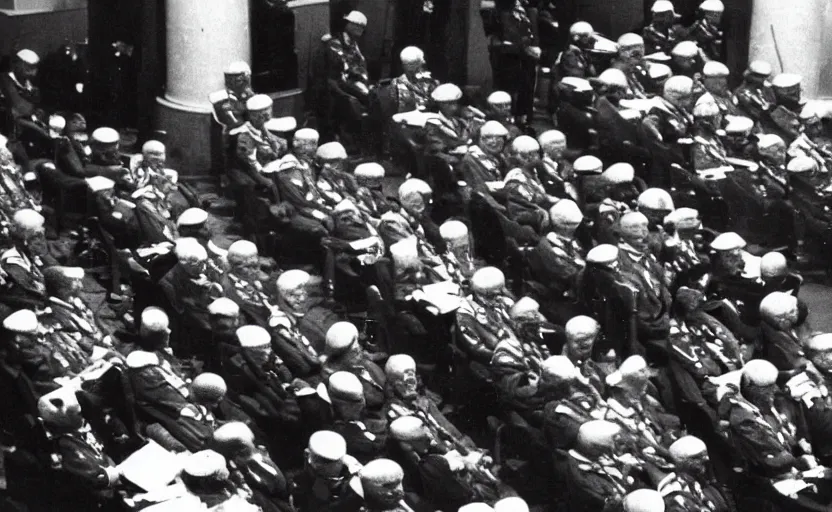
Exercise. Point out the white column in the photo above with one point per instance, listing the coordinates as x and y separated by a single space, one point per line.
203 37
798 27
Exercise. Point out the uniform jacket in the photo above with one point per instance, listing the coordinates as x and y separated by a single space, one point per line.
83 458
230 107
257 147
657 40
21 99
671 122
479 168
346 62
21 277
574 61
708 38
412 95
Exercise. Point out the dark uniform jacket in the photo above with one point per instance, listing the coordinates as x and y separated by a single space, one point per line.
670 122
262 389
21 278
366 439
20 99
311 493
708 38
372 378
574 61
256 148
230 107
658 40
83 458
556 263
346 62
412 95
755 100
480 168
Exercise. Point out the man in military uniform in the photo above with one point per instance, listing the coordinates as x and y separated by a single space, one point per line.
255 149
243 283
333 181
189 291
558 176
345 353
499 109
365 436
715 81
575 113
527 200
483 166
269 486
755 96
67 318
737 142
192 223
692 485
31 353
23 263
19 94
347 65
708 153
672 120
81 453
559 257
230 103
162 395
686 61
772 184
449 133
812 141
706 30
786 111
414 86
781 344
741 294
415 197
483 318
324 483
631 61
599 475
662 34
582 332
575 60
515 52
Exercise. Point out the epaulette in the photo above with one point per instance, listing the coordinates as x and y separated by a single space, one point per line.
140 359
218 96
238 130
126 204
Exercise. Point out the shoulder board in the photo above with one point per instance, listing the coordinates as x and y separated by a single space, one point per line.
565 410
701 140
280 321
218 96
619 409
238 130
126 204
326 38
140 359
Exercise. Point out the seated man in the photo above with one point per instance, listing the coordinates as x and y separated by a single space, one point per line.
192 223
686 60
754 95
67 318
39 359
782 345
483 317
483 166
453 129
715 81
344 353
415 85
324 482
413 219
366 436
148 169
23 263
244 283
80 451
348 68
672 120
528 202
230 103
13 181
662 34
631 61
499 109
188 292
162 396
706 30
709 154
333 181
789 104
576 60
21 97
255 149
558 173
559 257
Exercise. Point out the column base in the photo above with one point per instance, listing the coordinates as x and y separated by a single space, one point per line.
194 140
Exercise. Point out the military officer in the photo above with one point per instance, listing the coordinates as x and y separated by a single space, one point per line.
526 196
415 197
483 318
812 140
344 353
575 112
708 152
23 263
755 95
365 436
206 477
459 259
438 471
706 31
67 315
631 61
324 483
781 343
658 74
29 351
672 120
18 91
559 256
381 488
224 318
692 485
347 64
449 134
414 86
737 137
499 109
786 112
558 176
662 34
192 223
685 61
598 475
655 204
582 332
715 81
634 251
236 442
230 103
679 253
333 181
262 382
81 453
483 166
575 59
244 282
